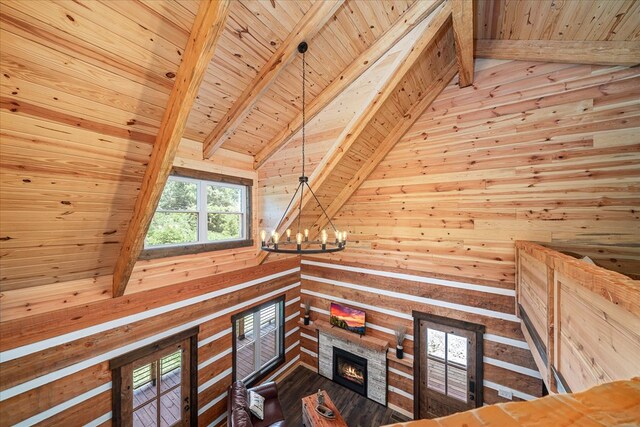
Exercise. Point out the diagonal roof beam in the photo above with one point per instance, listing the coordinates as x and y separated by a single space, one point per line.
306 29
207 27
408 21
462 14
396 134
437 21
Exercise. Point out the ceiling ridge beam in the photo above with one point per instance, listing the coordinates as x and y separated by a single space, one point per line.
201 45
407 22
614 52
310 24
462 17
396 134
438 19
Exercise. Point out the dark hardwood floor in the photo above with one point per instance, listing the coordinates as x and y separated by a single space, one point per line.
357 410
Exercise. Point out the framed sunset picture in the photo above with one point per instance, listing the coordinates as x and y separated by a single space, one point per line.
347 318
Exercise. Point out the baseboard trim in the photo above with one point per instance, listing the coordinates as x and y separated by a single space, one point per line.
400 410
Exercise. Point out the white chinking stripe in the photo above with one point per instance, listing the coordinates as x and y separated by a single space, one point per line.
402 374
400 410
309 352
213 337
509 341
293 316
400 392
292 301
218 420
407 297
102 327
512 367
206 407
515 392
52 376
64 405
414 278
291 332
309 337
221 375
215 358
100 420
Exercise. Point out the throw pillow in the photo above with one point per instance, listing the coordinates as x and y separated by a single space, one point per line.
256 404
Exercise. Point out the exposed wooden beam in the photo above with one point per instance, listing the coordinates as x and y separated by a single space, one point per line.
408 21
306 29
207 27
462 16
570 52
325 168
396 134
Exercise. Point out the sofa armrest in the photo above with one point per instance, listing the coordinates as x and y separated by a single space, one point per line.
267 390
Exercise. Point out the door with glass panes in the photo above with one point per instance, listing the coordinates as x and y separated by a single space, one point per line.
449 371
154 385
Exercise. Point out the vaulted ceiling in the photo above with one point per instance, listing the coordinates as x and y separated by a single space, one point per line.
85 86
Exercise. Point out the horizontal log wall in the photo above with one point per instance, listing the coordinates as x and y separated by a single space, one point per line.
55 366
388 296
531 151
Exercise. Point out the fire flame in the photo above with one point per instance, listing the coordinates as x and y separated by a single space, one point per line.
352 373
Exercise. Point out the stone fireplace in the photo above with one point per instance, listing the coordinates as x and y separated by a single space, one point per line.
351 360
350 370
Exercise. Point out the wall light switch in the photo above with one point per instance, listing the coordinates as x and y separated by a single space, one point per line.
507 394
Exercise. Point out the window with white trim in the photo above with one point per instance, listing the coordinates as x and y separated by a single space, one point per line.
197 212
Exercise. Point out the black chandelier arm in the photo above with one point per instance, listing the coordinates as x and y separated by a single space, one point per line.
284 214
321 207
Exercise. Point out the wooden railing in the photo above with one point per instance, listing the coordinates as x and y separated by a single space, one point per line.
581 321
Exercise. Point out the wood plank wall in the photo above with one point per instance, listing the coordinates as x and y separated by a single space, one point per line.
531 151
54 368
389 295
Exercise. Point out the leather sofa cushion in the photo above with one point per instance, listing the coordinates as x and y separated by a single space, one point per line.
240 418
272 414
239 398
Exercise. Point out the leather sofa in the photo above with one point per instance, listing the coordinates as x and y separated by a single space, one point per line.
238 414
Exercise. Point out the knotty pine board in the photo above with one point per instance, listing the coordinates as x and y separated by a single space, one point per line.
542 152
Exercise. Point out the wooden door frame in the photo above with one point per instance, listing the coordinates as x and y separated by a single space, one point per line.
119 362
446 321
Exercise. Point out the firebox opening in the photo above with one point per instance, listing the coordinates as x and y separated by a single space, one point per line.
350 370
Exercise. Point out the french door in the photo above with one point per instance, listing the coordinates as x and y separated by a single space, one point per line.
447 365
155 386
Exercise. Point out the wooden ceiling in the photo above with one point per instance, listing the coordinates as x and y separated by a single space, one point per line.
85 85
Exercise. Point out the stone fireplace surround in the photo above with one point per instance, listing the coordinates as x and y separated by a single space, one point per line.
376 362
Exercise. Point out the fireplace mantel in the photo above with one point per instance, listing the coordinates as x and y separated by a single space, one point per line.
366 341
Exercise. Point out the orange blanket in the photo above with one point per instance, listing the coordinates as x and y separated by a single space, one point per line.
612 404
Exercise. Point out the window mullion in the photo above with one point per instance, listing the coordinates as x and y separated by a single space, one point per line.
202 212
256 336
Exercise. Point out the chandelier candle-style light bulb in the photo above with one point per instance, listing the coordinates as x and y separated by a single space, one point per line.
306 234
337 234
344 238
276 237
299 240
288 234
324 240
263 237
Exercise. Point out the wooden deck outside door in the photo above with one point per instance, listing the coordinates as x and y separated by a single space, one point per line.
448 365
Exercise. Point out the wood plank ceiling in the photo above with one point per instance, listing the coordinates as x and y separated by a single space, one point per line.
84 86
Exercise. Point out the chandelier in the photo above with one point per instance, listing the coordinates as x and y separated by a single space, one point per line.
302 244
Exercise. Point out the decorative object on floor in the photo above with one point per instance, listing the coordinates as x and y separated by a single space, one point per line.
400 331
313 417
307 310
276 243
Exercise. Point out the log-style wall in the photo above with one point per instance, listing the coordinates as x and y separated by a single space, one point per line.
531 151
55 366
389 295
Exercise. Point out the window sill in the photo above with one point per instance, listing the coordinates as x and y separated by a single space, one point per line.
154 253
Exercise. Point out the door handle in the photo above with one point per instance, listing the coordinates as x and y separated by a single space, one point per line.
472 386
